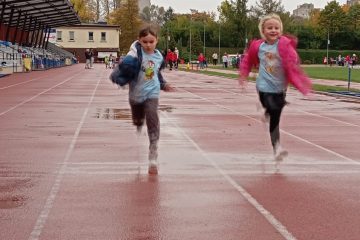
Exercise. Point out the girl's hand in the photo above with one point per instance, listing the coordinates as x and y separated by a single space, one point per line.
169 88
242 83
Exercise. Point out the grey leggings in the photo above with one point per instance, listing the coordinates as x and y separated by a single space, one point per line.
273 104
147 110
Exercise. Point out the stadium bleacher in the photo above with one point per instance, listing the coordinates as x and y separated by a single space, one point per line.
21 51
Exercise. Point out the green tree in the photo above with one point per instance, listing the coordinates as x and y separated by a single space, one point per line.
128 18
154 15
235 15
264 7
332 18
169 14
85 10
196 43
354 16
333 23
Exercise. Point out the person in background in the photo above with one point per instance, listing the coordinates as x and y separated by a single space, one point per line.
170 58
91 58
176 51
214 58
201 60
106 61
87 58
225 60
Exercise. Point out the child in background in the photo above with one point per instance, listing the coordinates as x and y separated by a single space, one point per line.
278 62
106 61
141 69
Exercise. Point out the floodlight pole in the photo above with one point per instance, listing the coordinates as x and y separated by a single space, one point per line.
327 47
190 38
219 57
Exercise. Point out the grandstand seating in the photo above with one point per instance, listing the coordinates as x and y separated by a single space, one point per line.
15 58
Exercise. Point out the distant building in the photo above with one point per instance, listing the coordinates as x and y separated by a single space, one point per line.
303 10
103 38
143 4
352 2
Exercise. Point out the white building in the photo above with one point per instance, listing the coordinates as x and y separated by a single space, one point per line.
303 10
143 4
102 38
352 2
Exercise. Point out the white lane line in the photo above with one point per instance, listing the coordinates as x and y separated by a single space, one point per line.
283 131
236 162
35 96
329 118
107 163
16 84
320 147
176 172
268 216
41 220
305 112
302 111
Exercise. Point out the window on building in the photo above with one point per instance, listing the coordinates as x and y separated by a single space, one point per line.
91 36
59 35
71 35
103 36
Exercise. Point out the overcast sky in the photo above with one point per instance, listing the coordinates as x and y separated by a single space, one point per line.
184 6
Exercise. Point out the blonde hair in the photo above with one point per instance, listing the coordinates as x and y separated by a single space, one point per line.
266 18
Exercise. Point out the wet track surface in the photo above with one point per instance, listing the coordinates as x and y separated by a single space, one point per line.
72 166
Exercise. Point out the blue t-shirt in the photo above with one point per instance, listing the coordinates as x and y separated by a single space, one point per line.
271 76
148 84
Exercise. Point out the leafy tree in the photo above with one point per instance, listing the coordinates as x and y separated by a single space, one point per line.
128 18
85 10
235 13
169 14
332 18
107 7
264 7
154 15
354 16
196 43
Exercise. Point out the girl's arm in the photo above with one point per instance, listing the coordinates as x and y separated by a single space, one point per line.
250 60
163 84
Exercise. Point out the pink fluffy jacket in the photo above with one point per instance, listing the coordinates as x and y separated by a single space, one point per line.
289 59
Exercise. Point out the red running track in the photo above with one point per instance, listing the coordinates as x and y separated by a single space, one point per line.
72 167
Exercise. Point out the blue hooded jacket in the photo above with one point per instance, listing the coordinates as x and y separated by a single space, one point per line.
128 70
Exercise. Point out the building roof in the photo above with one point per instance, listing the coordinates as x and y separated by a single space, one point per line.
50 13
92 25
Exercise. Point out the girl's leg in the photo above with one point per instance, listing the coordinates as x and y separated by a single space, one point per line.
273 104
153 127
152 120
137 114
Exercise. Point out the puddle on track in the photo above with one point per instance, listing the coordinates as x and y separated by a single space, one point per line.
123 114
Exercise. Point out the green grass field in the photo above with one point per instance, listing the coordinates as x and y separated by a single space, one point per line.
333 73
314 72
321 72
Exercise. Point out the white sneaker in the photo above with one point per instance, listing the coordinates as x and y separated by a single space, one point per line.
153 167
153 155
280 153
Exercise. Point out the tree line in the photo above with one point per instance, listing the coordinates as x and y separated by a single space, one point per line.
233 25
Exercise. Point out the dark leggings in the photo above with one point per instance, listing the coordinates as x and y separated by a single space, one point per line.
147 110
273 104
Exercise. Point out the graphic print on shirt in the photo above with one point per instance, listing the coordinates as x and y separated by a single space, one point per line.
149 70
271 63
